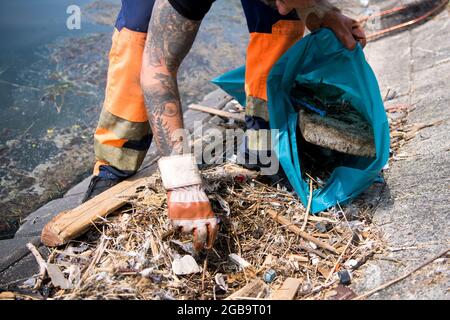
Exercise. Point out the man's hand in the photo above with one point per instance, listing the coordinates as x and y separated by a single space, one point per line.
322 14
190 212
188 205
346 29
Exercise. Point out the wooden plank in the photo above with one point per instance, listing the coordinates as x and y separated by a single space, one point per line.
7 295
236 116
70 224
255 289
288 290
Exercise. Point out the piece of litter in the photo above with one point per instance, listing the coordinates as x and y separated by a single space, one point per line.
345 277
238 260
146 272
184 266
220 281
315 261
269 276
187 247
29 283
268 261
313 245
57 277
350 264
101 276
232 159
440 260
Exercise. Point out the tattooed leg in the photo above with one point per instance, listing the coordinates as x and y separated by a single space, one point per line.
170 37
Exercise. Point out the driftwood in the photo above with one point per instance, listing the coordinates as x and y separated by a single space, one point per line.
288 290
41 262
225 114
256 289
7 295
286 222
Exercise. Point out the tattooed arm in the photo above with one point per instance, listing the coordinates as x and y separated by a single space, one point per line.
170 37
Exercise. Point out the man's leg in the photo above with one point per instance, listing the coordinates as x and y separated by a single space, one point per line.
271 35
123 134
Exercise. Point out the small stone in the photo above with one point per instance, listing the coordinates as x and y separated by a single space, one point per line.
321 227
345 277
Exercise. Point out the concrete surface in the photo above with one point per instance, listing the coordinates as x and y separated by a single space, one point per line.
414 216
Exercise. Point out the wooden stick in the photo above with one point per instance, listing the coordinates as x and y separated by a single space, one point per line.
339 259
41 262
317 289
286 222
309 205
288 290
390 283
70 224
251 290
225 114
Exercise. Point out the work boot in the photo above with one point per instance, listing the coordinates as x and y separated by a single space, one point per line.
97 186
107 177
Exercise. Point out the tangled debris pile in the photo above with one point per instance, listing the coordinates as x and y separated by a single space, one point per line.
134 255
266 242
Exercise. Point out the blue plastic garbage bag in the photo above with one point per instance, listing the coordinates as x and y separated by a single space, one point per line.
320 58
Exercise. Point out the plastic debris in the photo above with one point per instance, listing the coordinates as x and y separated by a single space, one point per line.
57 277
220 281
239 261
269 275
350 264
29 283
186 247
345 277
185 265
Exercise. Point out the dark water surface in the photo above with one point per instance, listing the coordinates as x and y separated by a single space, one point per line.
52 83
